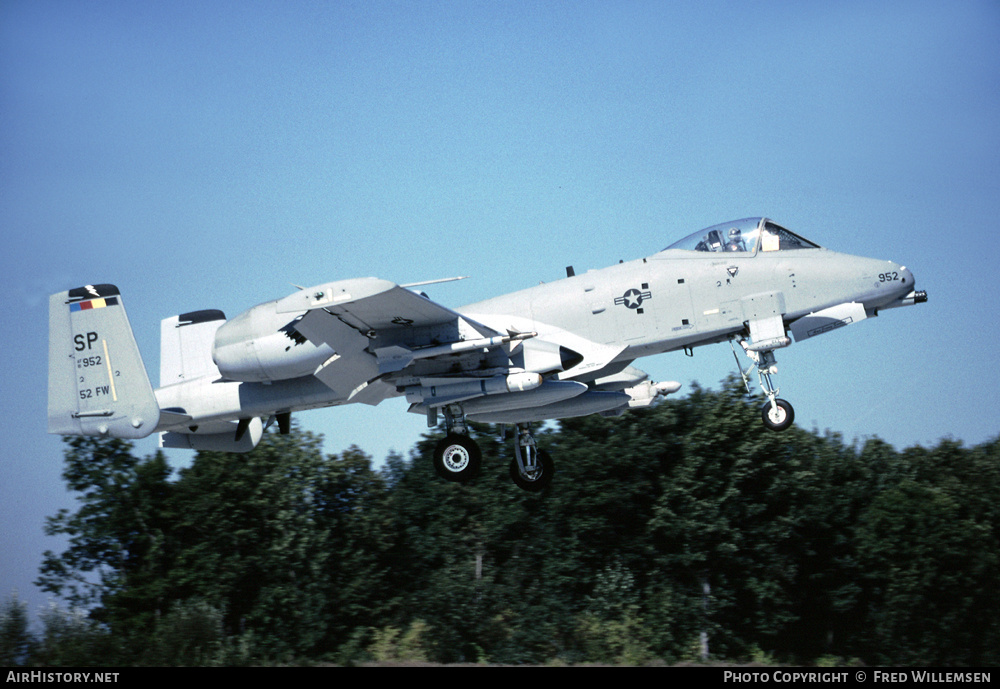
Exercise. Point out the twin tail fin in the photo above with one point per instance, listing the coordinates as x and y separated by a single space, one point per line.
98 384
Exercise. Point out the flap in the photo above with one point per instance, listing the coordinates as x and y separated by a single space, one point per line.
349 375
322 327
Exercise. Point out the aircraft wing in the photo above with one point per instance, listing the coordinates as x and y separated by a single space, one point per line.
376 327
372 304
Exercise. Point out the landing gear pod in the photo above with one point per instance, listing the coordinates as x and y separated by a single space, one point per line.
243 438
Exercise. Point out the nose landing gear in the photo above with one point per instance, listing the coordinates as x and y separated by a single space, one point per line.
777 414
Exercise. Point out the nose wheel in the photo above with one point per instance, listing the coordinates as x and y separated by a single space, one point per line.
777 415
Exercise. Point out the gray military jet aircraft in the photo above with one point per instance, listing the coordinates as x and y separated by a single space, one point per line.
552 351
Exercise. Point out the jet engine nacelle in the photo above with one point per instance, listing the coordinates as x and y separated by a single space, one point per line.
261 345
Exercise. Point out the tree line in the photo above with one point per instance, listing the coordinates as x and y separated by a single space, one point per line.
680 532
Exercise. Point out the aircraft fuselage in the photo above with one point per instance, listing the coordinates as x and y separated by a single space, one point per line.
666 302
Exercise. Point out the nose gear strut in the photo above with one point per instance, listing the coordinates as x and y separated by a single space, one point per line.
777 414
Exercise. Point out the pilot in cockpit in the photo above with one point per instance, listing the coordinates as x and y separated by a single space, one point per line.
735 241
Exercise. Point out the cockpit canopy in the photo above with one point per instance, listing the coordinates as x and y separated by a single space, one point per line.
744 236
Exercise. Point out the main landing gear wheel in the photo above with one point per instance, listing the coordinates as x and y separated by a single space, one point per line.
457 458
779 416
536 479
531 469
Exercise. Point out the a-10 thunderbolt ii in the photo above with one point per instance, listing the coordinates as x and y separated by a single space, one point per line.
555 350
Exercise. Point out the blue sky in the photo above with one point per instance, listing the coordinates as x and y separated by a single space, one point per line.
212 154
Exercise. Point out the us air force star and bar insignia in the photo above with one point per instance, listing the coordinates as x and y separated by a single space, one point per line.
633 298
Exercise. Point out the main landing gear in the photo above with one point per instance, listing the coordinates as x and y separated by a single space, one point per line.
457 457
531 469
777 414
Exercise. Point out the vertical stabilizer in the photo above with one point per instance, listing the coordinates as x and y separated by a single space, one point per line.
97 382
186 346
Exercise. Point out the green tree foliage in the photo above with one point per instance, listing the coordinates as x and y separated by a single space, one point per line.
190 634
443 557
286 541
118 558
672 527
930 552
16 642
71 638
68 638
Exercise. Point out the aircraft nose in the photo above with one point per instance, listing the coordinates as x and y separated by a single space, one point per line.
903 287
906 275
892 281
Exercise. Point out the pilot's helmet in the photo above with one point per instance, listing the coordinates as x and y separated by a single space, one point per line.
735 241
